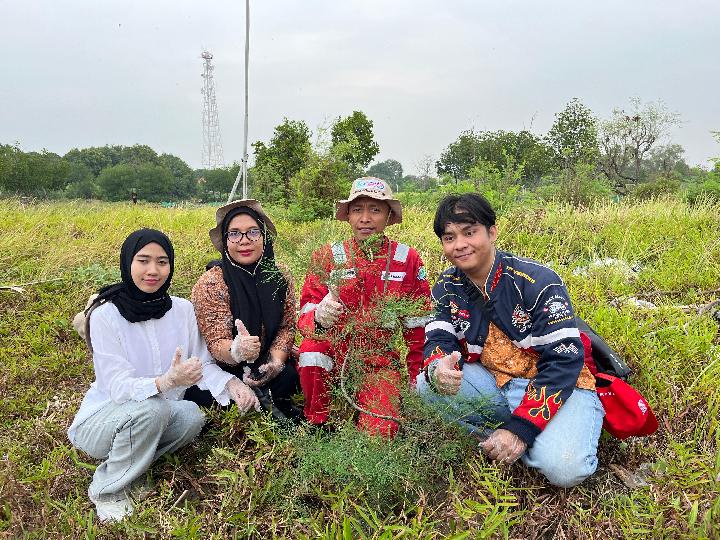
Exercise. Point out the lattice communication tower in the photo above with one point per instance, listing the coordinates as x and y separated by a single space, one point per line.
212 150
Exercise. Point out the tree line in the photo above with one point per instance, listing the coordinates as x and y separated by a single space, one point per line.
579 159
289 170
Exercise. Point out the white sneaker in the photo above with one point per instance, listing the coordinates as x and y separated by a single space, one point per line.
113 510
140 489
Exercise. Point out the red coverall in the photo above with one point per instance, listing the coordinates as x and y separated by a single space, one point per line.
361 282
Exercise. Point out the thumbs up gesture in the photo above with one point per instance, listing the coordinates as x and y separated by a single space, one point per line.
244 348
180 373
447 376
329 309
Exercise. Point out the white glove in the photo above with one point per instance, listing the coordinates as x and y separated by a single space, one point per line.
242 395
244 348
447 379
180 373
328 310
269 370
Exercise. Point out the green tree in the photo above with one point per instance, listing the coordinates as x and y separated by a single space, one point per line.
138 154
95 158
502 186
215 184
573 136
324 179
286 154
389 170
153 183
46 171
31 173
266 183
494 147
80 182
580 186
460 156
184 186
353 141
14 176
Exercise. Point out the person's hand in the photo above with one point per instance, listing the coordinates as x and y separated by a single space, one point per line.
242 395
180 373
269 370
448 379
329 309
503 446
244 348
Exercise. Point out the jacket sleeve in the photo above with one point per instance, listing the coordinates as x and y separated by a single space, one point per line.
556 338
440 336
313 291
414 327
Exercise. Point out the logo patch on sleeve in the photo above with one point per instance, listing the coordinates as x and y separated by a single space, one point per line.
520 318
422 274
566 349
557 308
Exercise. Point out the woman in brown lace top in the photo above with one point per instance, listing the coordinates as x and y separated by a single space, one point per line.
245 308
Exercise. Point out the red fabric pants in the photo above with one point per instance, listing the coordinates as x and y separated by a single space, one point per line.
379 393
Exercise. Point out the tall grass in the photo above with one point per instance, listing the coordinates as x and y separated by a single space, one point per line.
248 478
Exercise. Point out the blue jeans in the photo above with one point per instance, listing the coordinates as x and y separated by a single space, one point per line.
565 452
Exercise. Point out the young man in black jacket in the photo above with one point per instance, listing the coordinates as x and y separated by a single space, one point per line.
504 351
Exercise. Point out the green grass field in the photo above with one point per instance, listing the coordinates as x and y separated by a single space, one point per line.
247 477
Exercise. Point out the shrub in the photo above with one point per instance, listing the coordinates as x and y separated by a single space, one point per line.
579 187
661 186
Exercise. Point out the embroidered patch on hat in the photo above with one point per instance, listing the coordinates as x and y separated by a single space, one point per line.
372 186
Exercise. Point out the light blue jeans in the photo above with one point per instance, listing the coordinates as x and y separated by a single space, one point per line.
130 436
565 452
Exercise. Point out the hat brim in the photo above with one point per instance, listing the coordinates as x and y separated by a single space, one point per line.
220 213
342 209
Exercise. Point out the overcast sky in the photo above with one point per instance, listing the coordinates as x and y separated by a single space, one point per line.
80 73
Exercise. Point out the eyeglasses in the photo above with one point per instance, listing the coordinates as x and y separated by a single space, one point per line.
236 236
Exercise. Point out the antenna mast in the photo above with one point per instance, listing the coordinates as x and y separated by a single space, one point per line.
212 150
242 173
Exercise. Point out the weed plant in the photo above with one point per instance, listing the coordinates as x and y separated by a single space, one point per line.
247 477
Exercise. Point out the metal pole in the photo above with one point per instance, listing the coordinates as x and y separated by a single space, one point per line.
243 166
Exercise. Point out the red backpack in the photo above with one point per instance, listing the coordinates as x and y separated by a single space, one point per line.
627 412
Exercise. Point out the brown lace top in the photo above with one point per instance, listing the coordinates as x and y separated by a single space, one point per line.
212 310
506 361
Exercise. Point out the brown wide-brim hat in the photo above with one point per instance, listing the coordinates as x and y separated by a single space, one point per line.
375 188
216 232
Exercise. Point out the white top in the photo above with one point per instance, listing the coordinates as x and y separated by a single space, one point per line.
129 356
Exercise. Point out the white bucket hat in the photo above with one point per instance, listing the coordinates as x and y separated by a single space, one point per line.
375 188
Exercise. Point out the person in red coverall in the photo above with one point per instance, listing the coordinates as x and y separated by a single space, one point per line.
346 311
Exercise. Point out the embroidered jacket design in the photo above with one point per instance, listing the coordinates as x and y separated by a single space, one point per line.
547 405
